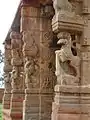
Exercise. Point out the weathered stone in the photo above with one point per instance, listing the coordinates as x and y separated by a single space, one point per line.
30 55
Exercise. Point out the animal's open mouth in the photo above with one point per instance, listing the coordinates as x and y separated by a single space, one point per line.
61 42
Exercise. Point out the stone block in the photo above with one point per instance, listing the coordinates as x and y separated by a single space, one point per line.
70 117
85 70
45 25
29 11
28 116
30 23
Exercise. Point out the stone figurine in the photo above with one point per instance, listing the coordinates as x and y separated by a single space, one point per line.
29 71
67 65
17 78
7 79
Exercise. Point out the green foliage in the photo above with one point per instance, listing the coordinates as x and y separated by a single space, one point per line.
0 111
1 57
1 74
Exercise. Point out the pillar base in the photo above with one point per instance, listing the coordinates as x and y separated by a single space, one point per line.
31 105
16 108
6 100
46 98
37 104
71 103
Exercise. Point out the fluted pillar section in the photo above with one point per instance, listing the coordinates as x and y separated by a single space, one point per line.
16 108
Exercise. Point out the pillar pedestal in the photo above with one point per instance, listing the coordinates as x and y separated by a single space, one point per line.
16 110
6 100
71 102
31 105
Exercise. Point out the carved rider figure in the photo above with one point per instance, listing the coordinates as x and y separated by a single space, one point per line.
29 71
67 65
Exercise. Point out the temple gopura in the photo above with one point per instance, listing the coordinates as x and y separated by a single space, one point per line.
47 61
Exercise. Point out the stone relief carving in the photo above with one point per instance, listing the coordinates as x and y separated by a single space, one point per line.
67 65
7 79
31 72
61 6
16 41
47 69
7 65
30 44
17 78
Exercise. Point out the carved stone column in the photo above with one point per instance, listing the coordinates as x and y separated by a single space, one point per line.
7 76
30 28
16 108
72 91
39 61
85 49
47 65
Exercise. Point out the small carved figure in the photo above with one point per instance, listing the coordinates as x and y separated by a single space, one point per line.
29 71
16 41
16 80
67 65
7 79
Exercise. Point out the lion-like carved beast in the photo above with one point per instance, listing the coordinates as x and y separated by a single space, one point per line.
67 65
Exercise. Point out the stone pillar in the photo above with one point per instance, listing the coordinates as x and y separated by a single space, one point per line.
7 76
16 108
39 61
47 65
85 48
30 28
72 91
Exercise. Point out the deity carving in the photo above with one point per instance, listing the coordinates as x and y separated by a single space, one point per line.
67 65
17 78
30 73
30 44
16 45
7 79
